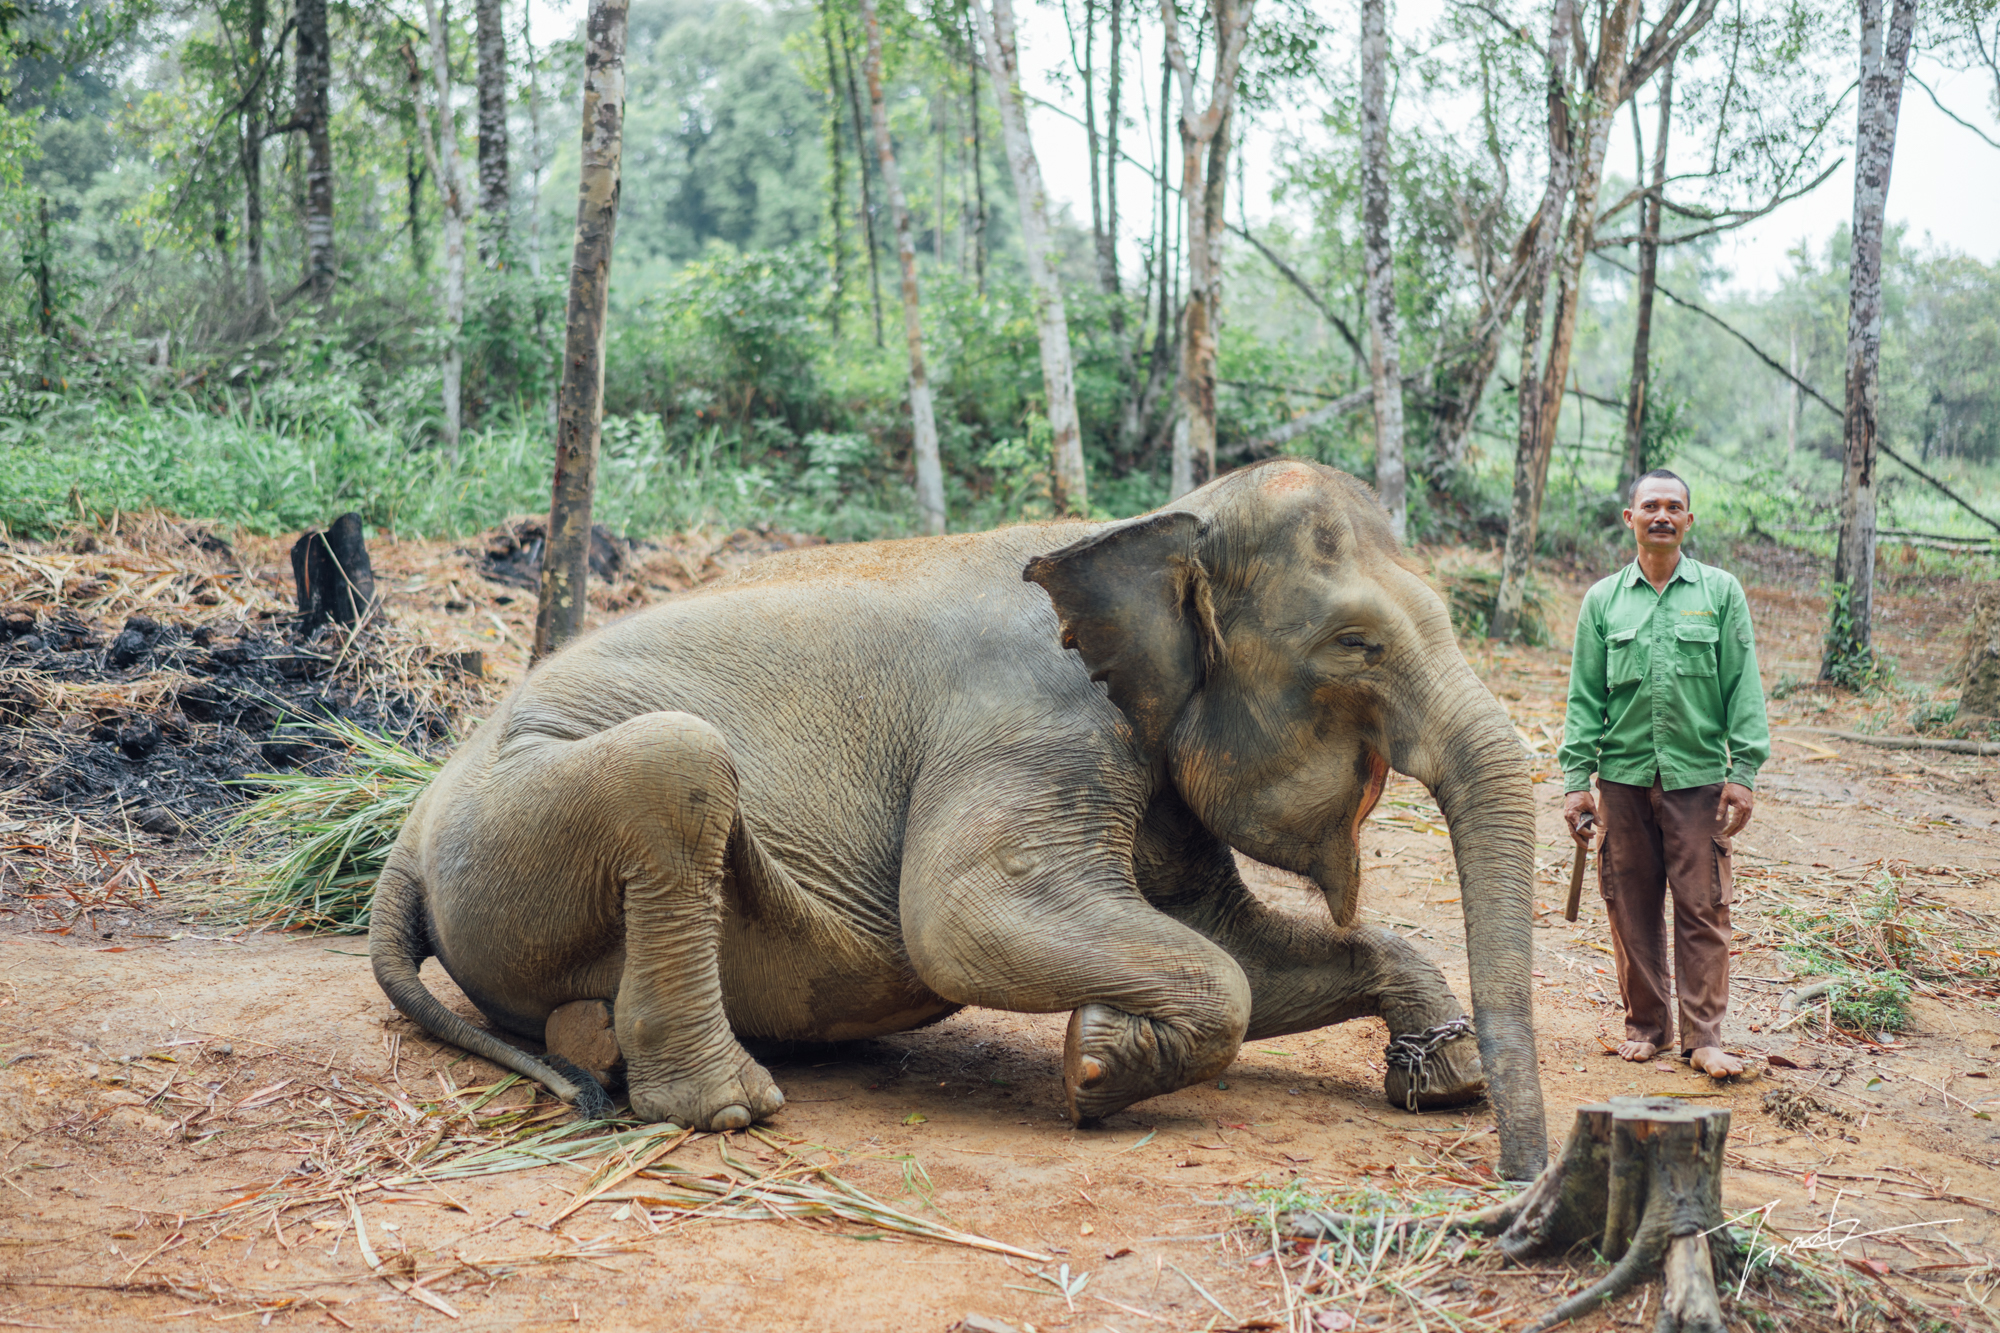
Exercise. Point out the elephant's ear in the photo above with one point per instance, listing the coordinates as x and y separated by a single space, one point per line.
1135 604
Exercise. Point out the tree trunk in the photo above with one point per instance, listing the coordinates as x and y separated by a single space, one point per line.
1071 489
1586 170
258 281
534 161
1103 161
1793 398
445 171
836 204
1108 256
1385 370
493 179
313 77
978 165
1649 264
1204 177
560 613
1530 453
923 425
940 125
867 200
1848 649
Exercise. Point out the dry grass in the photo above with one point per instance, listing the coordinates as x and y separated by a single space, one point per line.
388 1143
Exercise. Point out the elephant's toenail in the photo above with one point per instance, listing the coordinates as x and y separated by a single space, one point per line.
1089 1071
730 1117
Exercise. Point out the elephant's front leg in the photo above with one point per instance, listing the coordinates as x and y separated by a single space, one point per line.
1306 974
1027 905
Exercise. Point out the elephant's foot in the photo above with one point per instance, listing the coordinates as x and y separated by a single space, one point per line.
729 1095
1112 1059
1434 1068
581 1033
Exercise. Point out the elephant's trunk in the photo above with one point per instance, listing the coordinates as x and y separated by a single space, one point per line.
1470 758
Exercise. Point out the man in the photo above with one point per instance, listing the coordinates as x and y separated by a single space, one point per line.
1666 710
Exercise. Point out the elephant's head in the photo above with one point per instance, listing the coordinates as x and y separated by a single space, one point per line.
1271 648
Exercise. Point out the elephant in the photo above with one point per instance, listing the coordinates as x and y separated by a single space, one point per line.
855 788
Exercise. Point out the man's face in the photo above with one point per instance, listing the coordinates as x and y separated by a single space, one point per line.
1659 516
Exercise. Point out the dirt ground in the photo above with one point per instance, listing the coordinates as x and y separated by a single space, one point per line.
160 1064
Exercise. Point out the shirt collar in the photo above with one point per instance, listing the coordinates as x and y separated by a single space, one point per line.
1683 569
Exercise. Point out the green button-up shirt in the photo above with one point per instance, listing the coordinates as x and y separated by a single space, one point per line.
1664 684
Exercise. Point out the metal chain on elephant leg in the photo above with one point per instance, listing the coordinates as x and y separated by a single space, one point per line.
1411 1050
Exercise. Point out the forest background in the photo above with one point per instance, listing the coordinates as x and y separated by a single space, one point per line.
228 287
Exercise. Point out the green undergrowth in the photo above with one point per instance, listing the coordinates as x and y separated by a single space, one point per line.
1472 592
1883 945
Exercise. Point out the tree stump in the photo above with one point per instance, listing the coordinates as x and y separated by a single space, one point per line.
1978 672
1640 1179
334 578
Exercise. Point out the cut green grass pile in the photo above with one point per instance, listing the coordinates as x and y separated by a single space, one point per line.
327 834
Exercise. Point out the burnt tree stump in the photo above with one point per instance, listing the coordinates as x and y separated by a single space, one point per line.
335 581
1640 1179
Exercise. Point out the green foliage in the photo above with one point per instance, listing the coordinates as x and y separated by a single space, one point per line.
1848 662
1880 946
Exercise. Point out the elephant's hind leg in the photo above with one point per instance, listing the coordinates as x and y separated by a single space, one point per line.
667 782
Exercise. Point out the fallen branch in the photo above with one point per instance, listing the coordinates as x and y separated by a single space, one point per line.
1905 742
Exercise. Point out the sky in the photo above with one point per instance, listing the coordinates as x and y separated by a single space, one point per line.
1944 185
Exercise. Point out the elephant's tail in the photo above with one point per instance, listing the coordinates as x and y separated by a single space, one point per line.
398 943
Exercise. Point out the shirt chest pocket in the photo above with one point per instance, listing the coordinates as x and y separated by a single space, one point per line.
1694 648
1624 657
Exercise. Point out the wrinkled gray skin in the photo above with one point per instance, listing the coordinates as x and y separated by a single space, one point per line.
859 787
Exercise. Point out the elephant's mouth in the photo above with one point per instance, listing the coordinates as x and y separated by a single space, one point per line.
1378 778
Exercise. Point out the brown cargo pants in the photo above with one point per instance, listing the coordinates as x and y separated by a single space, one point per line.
1653 839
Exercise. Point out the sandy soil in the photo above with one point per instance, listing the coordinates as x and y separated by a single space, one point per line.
106 1159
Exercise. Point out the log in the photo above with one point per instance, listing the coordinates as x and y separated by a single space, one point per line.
1905 742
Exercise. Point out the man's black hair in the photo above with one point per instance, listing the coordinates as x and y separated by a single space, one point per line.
1661 474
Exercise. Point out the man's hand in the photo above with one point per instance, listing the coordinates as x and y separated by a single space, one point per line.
1580 813
1733 810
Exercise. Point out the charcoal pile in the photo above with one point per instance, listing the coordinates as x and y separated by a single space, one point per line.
627 573
145 674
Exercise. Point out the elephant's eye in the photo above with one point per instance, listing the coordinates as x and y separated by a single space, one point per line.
1352 641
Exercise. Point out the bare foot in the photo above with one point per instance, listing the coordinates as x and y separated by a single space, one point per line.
1715 1062
1638 1051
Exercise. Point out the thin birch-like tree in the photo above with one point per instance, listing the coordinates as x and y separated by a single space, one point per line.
923 422
861 169
311 82
441 155
1884 62
559 614
1204 132
1385 369
1071 488
1577 149
260 312
493 176
1652 207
